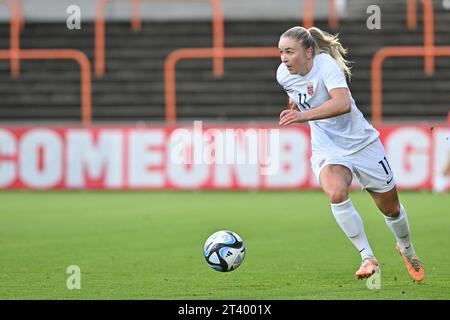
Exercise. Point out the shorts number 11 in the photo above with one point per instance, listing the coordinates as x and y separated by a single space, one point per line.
384 165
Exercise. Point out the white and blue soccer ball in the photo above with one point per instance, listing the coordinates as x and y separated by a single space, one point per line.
224 251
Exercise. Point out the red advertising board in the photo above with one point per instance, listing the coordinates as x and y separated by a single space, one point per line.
196 157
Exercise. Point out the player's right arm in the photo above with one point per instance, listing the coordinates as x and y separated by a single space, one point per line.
338 104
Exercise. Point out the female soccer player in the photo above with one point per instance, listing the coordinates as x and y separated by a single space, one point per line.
312 72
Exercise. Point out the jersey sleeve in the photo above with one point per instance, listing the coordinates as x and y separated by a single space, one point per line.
333 76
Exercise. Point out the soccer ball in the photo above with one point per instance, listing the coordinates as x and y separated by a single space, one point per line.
224 251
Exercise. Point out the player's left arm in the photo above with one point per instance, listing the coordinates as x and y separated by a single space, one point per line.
338 104
446 171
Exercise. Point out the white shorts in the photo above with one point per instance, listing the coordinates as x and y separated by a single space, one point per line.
370 166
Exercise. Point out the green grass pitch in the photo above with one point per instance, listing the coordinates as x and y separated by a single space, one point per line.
148 245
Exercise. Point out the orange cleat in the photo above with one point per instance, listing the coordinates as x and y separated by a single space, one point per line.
413 265
368 268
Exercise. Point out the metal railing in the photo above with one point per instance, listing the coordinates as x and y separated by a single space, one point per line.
377 70
218 34
308 16
62 54
16 22
429 51
203 53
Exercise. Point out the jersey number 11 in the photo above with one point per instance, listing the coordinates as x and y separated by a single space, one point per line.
302 99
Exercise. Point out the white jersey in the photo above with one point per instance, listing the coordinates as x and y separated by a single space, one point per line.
341 135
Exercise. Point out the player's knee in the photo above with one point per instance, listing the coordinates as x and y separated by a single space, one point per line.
338 195
392 211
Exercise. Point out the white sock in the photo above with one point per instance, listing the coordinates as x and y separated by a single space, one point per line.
351 223
400 228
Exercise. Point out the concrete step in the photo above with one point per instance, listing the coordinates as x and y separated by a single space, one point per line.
133 86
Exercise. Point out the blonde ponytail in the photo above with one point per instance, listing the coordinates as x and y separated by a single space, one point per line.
322 42
330 44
